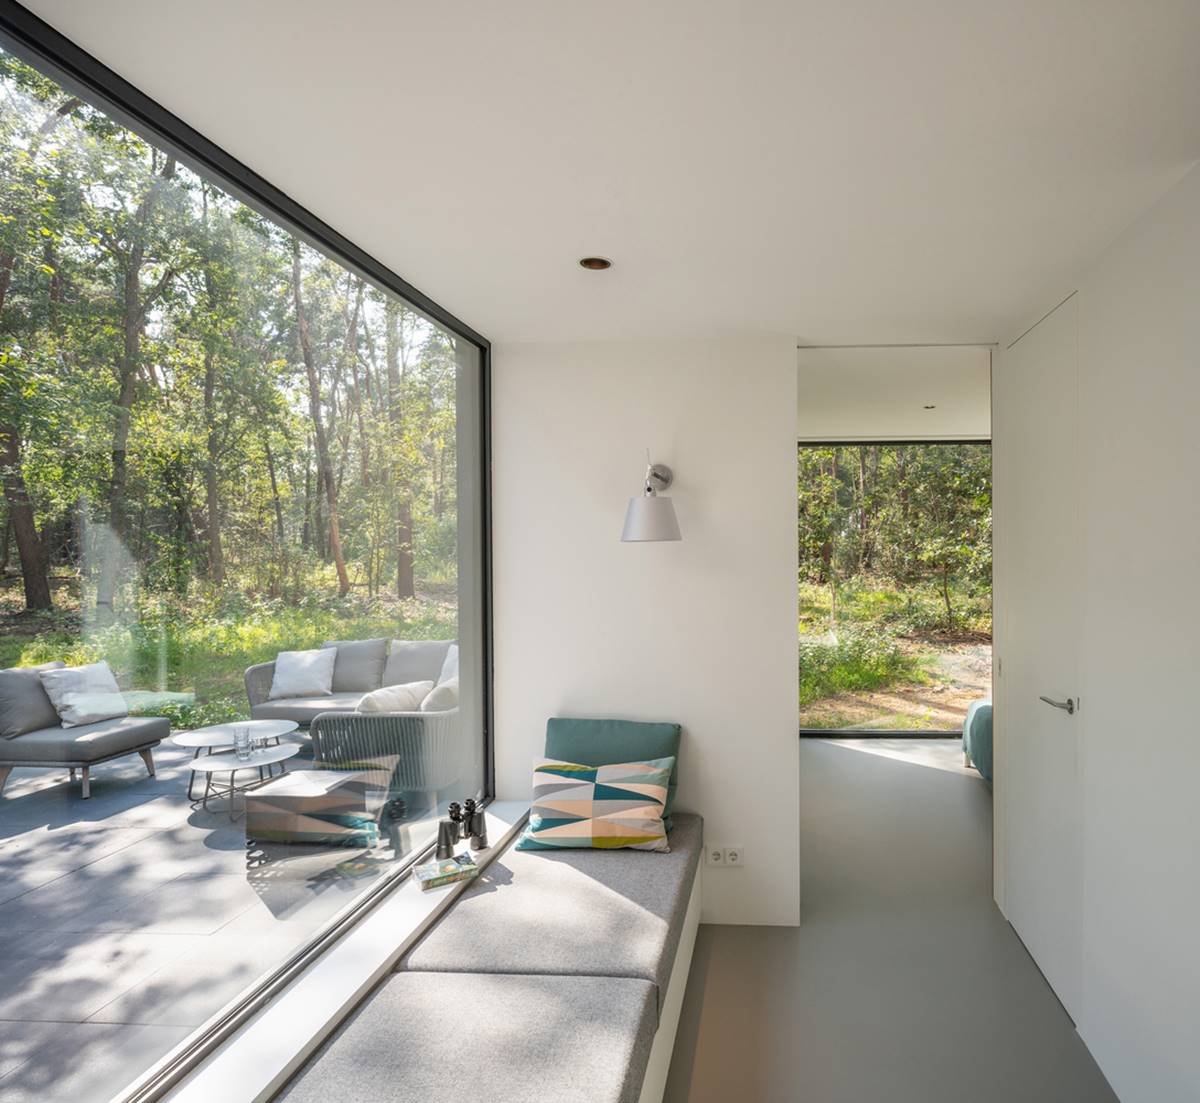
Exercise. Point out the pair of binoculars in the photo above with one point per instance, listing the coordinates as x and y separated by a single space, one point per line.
466 821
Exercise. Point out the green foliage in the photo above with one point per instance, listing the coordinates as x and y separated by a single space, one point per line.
894 544
915 515
204 651
187 715
917 611
165 413
213 384
858 659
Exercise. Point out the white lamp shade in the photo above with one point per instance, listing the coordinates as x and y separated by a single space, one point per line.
650 518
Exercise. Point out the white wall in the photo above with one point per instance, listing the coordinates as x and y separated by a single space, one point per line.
1139 409
1139 327
703 631
880 393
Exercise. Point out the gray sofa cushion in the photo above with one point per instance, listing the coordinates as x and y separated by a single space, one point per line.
616 913
439 1038
415 661
24 704
359 665
86 743
303 709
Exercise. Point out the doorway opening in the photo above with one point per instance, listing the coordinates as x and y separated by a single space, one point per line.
895 586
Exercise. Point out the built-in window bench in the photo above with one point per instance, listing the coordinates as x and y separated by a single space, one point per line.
555 975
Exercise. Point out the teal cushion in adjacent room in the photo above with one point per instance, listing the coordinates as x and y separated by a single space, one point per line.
606 742
977 736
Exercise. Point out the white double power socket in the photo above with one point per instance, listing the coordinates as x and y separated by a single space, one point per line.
725 856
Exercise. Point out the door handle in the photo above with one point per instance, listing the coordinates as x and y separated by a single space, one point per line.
1068 706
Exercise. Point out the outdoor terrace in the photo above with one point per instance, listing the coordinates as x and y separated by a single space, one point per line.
129 919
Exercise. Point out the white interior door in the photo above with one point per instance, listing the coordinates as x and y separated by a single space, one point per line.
1036 441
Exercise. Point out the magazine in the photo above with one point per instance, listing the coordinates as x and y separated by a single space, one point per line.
461 867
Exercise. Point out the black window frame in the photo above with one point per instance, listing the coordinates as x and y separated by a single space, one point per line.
33 40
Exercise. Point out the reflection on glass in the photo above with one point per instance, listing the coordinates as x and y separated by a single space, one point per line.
224 455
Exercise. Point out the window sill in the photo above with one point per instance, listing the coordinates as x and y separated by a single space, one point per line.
255 1063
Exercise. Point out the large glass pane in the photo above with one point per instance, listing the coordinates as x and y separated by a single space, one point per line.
219 446
895 546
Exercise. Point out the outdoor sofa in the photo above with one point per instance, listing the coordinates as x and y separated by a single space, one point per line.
387 767
30 734
362 666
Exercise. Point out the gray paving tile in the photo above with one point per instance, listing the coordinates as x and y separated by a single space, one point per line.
17 882
140 915
185 905
194 987
69 847
25 954
86 1062
19 1041
71 903
114 803
69 977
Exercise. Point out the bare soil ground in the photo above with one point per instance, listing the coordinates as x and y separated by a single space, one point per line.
960 674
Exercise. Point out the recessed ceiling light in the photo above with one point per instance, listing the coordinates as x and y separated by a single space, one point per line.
930 407
595 264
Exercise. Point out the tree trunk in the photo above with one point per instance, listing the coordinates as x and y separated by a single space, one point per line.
212 504
406 583
20 510
274 492
405 573
106 586
134 305
34 574
946 598
324 468
864 535
350 354
306 529
439 482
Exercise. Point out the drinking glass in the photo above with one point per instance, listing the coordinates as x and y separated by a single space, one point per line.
241 743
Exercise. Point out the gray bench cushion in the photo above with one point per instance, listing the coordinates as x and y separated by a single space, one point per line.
438 1038
303 709
616 913
86 743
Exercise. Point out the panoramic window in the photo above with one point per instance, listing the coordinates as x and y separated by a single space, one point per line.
241 592
895 585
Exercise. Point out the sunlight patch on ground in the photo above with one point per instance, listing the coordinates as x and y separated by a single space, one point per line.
937 754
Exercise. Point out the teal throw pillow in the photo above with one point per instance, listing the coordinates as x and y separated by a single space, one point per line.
603 742
598 807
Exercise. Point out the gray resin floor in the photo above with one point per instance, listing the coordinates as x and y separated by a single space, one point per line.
904 984
128 919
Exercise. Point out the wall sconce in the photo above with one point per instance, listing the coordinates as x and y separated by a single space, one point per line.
651 517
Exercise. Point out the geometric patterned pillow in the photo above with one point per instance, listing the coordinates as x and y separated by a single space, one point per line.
598 806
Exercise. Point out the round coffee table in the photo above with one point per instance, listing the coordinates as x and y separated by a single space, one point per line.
227 762
218 737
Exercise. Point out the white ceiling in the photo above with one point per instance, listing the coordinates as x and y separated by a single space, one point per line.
882 394
866 171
